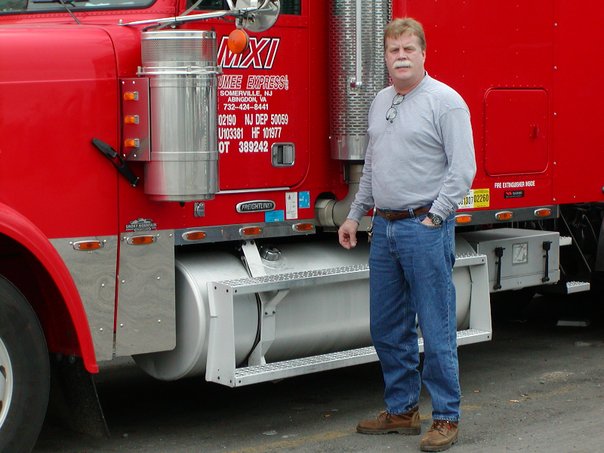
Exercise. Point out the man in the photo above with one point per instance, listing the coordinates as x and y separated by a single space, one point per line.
418 166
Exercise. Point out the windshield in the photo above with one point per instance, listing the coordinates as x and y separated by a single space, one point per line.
13 6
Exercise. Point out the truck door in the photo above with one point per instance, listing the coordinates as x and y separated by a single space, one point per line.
263 106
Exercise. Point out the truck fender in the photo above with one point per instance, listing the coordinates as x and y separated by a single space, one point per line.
20 229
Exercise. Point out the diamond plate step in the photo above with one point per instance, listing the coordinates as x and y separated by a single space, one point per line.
577 287
295 279
306 278
469 260
305 365
331 361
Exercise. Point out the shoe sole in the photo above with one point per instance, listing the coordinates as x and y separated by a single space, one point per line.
406 431
439 447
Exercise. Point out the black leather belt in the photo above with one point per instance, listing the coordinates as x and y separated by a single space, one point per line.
398 215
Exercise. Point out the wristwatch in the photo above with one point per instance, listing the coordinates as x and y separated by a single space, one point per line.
435 218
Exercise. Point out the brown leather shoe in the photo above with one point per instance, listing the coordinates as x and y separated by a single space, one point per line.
441 435
407 423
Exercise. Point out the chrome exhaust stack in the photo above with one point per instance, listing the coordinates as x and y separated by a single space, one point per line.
358 73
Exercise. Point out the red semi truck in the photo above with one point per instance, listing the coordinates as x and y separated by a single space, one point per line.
167 199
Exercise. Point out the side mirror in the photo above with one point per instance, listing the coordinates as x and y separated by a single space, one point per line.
259 15
251 15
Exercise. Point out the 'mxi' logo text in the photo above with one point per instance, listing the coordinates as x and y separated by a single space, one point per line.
260 54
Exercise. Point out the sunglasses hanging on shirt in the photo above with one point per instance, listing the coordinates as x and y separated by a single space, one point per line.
392 111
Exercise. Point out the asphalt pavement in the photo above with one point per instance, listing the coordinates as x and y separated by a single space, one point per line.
537 387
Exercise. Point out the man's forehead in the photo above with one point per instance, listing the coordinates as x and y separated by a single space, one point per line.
405 38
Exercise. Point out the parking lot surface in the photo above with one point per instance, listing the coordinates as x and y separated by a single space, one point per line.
538 386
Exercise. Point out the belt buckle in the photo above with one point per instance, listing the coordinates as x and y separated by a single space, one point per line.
391 215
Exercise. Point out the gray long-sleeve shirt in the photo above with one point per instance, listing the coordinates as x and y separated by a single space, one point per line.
424 157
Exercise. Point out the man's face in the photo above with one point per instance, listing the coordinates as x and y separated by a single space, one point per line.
405 61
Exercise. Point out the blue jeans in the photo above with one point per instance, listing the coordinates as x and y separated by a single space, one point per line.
411 274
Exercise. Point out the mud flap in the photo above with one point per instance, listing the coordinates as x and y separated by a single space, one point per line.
74 403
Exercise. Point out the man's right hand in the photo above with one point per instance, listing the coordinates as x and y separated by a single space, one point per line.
347 234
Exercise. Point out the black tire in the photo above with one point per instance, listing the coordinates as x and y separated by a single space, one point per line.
24 372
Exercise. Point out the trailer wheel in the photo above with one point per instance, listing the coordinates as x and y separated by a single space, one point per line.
24 372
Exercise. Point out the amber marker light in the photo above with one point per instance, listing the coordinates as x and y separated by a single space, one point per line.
142 240
504 215
303 227
132 143
543 212
194 235
250 231
131 96
87 246
131 119
463 219
238 41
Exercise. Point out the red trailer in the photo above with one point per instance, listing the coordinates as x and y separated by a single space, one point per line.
164 198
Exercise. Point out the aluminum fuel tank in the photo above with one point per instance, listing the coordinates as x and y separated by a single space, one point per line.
309 321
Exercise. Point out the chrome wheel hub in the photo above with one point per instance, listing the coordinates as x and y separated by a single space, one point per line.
6 382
